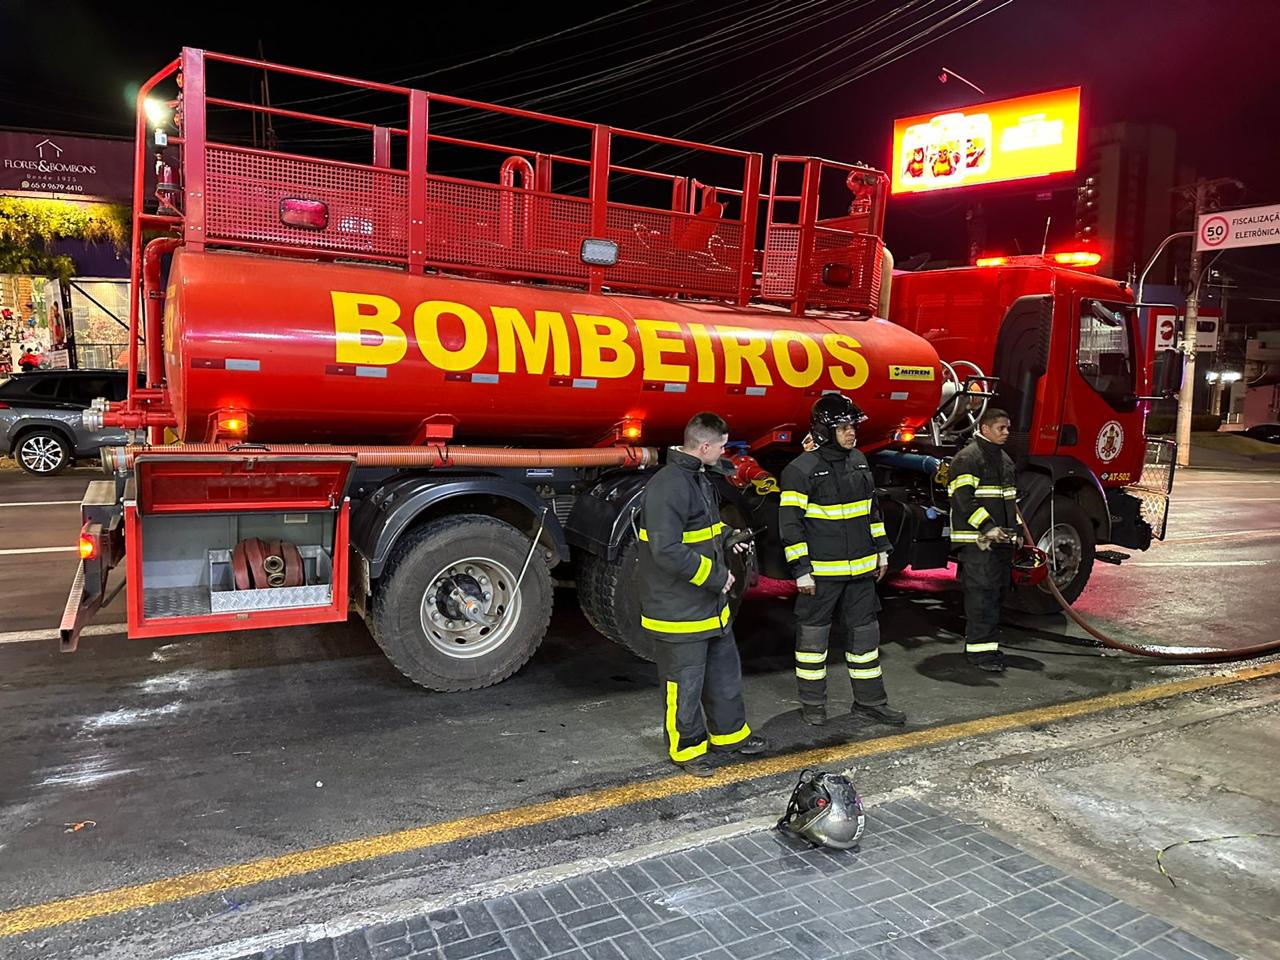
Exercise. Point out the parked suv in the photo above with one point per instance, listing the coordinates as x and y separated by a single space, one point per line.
40 417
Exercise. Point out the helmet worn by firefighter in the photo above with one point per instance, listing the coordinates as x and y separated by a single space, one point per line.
833 410
824 809
1030 566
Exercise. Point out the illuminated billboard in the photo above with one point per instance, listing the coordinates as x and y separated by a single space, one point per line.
1032 136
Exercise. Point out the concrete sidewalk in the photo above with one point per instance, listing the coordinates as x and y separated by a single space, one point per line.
922 886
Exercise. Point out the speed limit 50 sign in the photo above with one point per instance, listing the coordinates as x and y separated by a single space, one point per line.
1250 227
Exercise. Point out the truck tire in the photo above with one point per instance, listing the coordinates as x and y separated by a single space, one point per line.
1073 549
421 628
608 592
42 452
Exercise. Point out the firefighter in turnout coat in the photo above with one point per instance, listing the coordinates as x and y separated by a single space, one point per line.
684 603
835 541
984 493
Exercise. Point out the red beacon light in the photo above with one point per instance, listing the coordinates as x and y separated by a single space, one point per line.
1076 259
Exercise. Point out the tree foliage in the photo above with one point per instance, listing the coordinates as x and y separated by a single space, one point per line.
29 227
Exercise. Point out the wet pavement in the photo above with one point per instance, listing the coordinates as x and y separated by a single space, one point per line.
190 754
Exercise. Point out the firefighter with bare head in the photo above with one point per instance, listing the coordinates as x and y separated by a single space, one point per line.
835 541
684 602
984 492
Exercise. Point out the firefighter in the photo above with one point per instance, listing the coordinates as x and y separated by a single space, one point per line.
835 541
684 602
983 492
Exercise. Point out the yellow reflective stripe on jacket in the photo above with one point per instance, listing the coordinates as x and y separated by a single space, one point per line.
978 516
819 674
964 480
793 498
862 657
673 734
865 674
700 535
877 530
1011 493
811 656
728 739
685 626
838 511
797 551
703 534
989 492
704 571
964 536
845 568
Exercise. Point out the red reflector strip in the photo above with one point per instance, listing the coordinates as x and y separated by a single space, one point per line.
207 363
340 369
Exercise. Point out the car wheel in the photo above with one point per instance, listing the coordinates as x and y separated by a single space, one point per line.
42 453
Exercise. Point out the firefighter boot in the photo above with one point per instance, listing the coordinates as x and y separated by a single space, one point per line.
814 714
992 662
881 712
698 767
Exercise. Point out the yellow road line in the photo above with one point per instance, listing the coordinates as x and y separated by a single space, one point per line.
171 889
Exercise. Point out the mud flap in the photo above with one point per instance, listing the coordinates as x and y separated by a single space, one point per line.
103 527
88 587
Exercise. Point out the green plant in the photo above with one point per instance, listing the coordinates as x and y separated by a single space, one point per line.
29 226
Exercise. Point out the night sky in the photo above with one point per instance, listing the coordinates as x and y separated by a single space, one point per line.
731 72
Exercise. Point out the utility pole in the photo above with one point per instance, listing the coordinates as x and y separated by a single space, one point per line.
1186 396
1201 194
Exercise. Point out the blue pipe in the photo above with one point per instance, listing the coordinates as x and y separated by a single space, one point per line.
900 460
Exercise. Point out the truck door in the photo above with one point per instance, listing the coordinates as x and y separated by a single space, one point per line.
1103 424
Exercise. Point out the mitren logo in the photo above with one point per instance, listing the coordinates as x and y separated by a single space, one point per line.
899 372
48 160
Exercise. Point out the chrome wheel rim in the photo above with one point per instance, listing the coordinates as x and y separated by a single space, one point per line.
41 454
487 582
1065 548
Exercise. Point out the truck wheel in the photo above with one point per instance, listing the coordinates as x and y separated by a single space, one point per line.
418 618
609 594
43 453
1070 546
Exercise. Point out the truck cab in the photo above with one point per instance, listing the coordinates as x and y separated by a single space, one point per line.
1063 353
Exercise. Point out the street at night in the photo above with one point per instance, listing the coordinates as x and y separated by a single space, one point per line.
212 751
668 480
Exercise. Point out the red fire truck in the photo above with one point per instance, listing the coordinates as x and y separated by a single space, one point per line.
417 372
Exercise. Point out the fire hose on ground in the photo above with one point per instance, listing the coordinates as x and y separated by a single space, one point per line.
1163 653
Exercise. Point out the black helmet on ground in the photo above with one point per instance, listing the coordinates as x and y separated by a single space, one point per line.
832 410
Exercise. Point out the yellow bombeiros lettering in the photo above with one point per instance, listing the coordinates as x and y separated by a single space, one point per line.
853 370
598 335
705 351
548 334
653 345
356 315
426 327
367 331
787 370
742 345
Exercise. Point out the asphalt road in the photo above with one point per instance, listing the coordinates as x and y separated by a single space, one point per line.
194 753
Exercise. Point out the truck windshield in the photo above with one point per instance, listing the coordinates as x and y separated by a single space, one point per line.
1105 355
